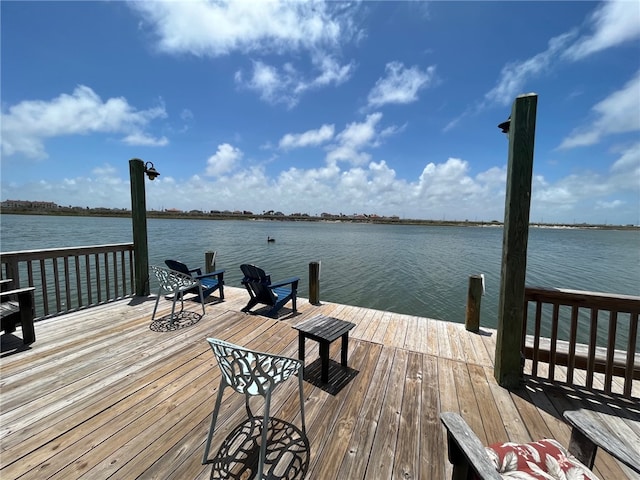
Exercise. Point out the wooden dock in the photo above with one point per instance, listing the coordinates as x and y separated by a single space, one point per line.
104 393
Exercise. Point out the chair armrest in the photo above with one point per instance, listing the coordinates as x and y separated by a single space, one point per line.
16 291
217 273
466 452
293 281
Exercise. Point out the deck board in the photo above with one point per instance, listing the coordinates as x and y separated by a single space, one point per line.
102 395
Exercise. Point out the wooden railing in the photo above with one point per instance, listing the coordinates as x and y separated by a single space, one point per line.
68 279
588 331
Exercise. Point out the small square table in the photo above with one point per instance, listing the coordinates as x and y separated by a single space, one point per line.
324 330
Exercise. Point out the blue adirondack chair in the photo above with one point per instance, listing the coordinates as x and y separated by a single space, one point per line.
261 290
210 281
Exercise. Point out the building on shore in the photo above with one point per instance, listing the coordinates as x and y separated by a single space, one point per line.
26 204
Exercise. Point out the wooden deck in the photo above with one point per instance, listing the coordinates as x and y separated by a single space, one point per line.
101 394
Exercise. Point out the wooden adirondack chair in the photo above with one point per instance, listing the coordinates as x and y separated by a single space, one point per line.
210 281
471 460
261 290
17 307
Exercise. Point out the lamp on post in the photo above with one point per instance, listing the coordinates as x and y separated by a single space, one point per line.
137 170
150 170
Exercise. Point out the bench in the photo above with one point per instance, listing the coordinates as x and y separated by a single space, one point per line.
16 307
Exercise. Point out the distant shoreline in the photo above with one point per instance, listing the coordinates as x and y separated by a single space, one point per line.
74 212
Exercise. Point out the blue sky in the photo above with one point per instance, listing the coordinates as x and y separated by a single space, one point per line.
385 108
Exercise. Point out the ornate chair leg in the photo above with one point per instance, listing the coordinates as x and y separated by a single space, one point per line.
201 297
173 306
214 417
153 316
300 387
265 428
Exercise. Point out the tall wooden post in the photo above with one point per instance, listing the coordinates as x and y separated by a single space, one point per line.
139 221
210 261
314 283
474 299
508 368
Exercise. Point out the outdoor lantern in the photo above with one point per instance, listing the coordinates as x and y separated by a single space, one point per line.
151 172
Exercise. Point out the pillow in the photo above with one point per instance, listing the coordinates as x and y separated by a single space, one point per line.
545 459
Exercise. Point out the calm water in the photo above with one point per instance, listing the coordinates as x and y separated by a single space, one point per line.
416 270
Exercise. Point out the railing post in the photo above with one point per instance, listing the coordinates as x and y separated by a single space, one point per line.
210 261
139 221
508 369
12 272
474 299
314 283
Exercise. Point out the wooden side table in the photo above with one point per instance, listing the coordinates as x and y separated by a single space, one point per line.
324 330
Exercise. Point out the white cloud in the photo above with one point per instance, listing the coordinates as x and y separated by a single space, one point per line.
211 29
224 160
618 113
208 28
629 161
355 137
566 199
27 124
625 171
308 138
613 23
104 171
612 205
286 85
446 180
514 75
272 85
400 85
330 71
144 140
443 190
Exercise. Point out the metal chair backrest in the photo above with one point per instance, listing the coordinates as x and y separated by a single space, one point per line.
251 372
172 281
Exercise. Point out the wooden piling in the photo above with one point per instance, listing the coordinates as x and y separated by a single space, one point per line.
474 299
508 366
210 261
139 223
314 283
